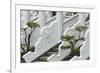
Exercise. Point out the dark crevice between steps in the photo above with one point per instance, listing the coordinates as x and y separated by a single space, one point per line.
88 58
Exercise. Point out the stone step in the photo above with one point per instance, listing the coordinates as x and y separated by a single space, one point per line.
44 58
50 53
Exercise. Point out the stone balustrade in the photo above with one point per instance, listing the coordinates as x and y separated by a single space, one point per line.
50 31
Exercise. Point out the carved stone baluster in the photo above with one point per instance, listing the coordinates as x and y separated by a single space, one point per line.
25 17
59 18
42 18
49 14
82 18
33 15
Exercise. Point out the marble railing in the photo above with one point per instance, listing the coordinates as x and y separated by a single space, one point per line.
84 51
46 40
49 36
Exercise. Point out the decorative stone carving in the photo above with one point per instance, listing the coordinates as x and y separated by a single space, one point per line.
85 49
50 32
68 31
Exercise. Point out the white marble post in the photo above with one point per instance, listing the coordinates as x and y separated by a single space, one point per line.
86 15
49 15
42 18
25 17
64 13
33 15
59 22
82 17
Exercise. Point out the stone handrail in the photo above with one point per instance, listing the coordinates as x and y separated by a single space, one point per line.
54 18
62 53
47 34
70 22
41 45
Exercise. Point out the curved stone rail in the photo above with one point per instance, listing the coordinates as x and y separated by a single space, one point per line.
47 37
47 34
62 53
84 50
65 52
70 22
